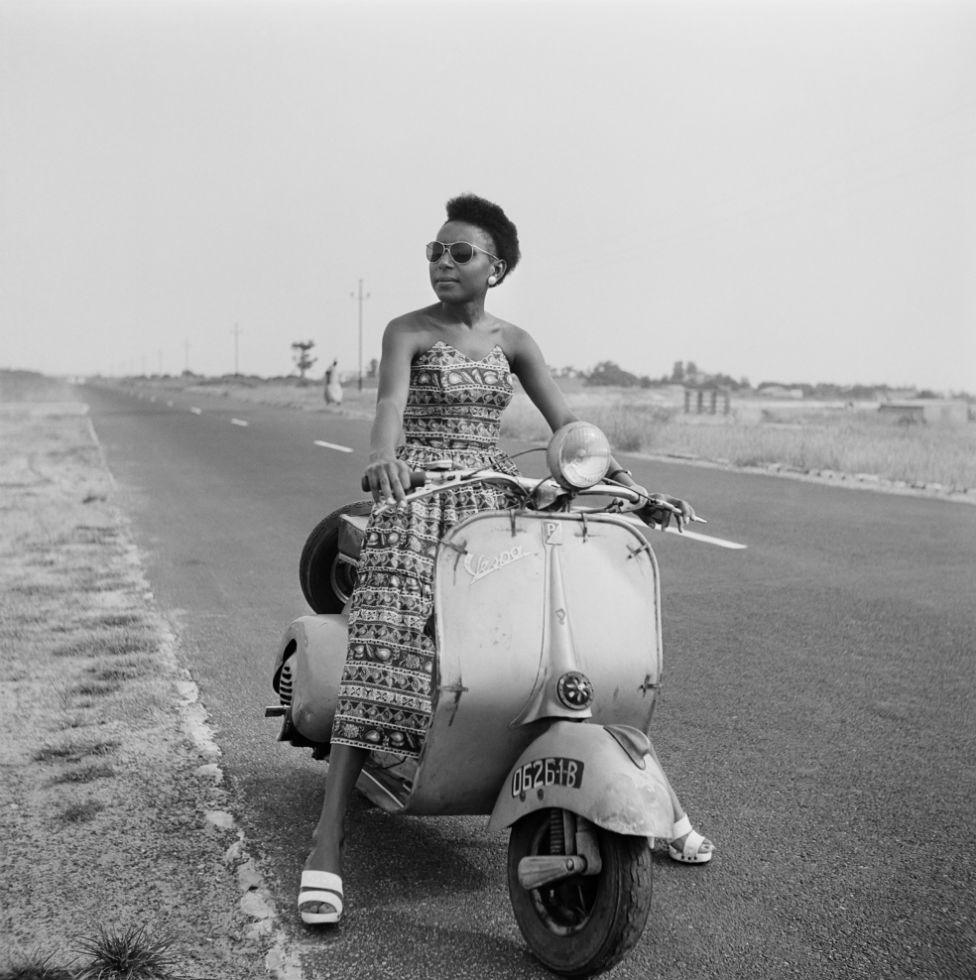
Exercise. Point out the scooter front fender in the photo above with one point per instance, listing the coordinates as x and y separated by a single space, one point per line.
582 767
316 647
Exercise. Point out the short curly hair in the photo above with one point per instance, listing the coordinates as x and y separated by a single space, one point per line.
492 220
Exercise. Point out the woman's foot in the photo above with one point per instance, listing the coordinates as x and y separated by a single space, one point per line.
320 897
687 845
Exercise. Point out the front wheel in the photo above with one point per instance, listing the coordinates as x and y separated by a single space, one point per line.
584 924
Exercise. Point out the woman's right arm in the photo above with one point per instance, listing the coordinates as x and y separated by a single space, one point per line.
389 478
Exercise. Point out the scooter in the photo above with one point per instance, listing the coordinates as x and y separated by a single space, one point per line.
548 637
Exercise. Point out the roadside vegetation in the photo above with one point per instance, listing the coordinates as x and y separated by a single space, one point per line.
831 438
107 851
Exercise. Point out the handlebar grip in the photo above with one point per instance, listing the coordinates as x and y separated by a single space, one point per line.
418 478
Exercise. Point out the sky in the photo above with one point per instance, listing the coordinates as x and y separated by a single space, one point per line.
780 191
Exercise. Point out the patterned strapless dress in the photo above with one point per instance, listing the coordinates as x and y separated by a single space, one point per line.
453 412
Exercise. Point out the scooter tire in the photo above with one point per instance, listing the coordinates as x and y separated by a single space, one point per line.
326 580
582 925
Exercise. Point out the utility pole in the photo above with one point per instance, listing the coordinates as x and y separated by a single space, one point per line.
186 356
362 298
237 333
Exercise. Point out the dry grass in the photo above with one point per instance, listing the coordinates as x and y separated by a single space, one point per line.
804 436
132 953
102 804
824 438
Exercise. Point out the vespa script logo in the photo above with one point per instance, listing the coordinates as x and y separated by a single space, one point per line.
485 565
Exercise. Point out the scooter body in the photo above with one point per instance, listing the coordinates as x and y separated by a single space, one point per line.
522 601
549 658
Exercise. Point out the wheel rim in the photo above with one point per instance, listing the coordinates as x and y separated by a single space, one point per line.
342 578
565 907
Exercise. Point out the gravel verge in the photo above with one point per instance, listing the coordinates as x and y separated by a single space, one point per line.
112 810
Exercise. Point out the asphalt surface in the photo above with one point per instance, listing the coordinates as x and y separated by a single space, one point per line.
817 716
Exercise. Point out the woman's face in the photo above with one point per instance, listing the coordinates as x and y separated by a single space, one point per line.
454 283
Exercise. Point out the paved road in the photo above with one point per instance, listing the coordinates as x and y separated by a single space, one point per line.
818 714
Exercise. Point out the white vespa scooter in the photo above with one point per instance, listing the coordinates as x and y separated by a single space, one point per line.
548 638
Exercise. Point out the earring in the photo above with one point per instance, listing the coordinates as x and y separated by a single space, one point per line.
492 280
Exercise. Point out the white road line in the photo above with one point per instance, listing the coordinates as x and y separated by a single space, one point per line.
707 539
242 422
169 404
332 445
196 411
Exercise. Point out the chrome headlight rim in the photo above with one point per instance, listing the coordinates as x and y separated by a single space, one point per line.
578 455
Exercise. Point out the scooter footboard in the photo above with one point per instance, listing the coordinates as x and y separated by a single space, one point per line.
315 648
582 767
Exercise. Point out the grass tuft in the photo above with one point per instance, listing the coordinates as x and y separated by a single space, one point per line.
130 953
35 966
124 620
115 673
85 774
95 689
81 812
75 751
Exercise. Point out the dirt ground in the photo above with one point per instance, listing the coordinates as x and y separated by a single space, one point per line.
112 811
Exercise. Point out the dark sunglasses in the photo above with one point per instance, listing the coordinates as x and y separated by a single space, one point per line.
460 252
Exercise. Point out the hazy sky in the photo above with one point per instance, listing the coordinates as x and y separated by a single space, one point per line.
781 190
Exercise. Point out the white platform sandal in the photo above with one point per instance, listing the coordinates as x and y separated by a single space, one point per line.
689 853
320 887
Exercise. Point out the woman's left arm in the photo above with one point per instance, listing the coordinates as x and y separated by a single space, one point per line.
530 368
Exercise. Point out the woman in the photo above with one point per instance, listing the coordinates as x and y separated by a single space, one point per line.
444 380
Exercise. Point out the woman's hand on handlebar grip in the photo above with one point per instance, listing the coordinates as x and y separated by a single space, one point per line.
388 479
660 509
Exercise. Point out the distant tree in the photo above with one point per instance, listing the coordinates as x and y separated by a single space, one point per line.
303 360
724 381
678 372
609 373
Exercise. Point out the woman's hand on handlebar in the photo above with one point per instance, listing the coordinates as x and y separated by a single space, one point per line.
389 479
661 509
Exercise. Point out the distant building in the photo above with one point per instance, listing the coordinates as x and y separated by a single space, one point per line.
707 398
779 391
926 410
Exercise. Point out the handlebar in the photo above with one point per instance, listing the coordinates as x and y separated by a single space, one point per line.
425 482
546 491
418 478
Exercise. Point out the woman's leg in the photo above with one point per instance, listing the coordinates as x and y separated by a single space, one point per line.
678 811
345 765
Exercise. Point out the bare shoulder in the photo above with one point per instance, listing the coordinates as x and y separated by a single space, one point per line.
410 332
517 343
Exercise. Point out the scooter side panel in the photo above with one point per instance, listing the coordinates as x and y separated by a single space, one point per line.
319 644
492 597
579 766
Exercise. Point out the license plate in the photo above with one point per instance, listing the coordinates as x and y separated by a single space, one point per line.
547 772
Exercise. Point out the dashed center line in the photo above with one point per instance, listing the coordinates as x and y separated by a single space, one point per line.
196 411
242 422
706 538
332 445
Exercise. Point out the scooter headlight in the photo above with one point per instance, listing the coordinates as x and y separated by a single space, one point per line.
578 455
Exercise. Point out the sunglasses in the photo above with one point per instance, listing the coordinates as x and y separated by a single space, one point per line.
460 252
